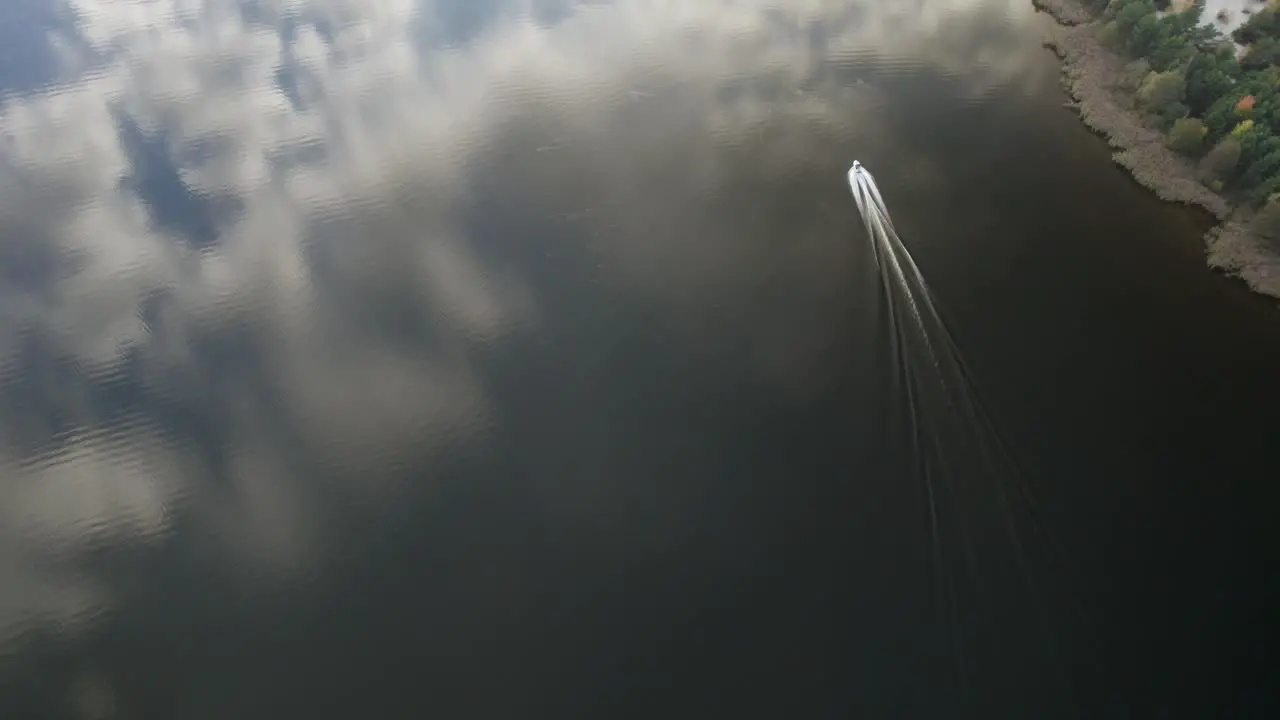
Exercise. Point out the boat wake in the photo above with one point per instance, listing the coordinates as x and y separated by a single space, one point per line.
990 553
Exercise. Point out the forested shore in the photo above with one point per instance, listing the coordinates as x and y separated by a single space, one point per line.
1192 113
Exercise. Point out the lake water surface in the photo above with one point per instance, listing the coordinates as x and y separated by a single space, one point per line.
523 359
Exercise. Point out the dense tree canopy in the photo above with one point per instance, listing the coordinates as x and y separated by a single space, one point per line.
1262 24
1161 89
1221 162
1187 135
1202 94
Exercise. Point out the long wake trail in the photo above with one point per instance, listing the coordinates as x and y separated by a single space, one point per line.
990 553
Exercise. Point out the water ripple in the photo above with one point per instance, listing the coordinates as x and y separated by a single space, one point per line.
281 280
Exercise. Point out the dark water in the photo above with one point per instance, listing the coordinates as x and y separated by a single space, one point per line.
503 359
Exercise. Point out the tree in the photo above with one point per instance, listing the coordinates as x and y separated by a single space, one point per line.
1167 115
1189 24
1189 19
1128 15
1221 161
1261 169
1267 222
1188 80
1209 76
1255 141
1262 53
1187 136
1267 80
1263 23
1136 9
1170 51
1221 115
1161 89
1145 36
1259 158
1266 190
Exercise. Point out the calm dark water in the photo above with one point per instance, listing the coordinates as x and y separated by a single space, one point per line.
521 358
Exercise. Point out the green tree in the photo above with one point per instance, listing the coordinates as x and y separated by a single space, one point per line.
1207 38
1221 115
1188 21
1209 76
1187 136
1267 222
1256 142
1220 163
1161 89
1261 24
1170 51
1167 115
1266 190
1129 14
1268 82
1260 170
1146 35
1262 53
1259 158
1187 78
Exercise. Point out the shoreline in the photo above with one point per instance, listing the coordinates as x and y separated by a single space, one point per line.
1092 75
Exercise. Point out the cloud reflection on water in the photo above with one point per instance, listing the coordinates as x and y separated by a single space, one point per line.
237 250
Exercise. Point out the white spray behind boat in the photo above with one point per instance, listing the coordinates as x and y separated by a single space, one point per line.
980 511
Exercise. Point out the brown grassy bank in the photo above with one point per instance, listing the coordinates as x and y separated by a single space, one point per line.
1095 77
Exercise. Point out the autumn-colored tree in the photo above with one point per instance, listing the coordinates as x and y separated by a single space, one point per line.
1189 80
1221 116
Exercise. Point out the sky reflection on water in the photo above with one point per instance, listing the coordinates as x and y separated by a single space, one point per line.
339 330
230 222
